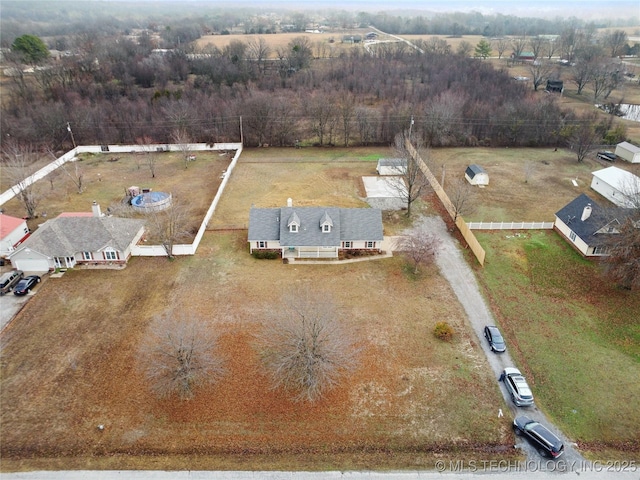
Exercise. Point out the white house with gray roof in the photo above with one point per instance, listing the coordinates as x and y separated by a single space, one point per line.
314 232
78 238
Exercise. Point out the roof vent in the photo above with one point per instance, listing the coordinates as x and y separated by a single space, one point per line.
586 213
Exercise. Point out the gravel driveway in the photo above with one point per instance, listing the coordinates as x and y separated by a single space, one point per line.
454 268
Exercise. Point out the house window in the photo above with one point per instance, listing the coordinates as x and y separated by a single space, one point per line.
262 244
326 228
86 255
600 250
572 236
371 244
347 244
110 255
293 228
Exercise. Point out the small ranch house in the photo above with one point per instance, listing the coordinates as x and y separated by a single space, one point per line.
314 232
392 166
476 175
628 151
76 239
617 185
13 231
587 226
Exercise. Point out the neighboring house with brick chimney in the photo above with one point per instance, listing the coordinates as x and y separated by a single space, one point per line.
78 238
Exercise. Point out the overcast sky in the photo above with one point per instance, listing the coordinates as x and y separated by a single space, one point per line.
592 9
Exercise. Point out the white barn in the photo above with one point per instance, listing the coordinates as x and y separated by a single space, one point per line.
617 185
628 151
476 175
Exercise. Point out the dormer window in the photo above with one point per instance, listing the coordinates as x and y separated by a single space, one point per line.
326 223
294 223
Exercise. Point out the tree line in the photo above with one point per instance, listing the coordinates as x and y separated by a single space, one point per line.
120 91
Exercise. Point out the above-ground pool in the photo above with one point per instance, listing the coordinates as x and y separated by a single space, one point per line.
151 201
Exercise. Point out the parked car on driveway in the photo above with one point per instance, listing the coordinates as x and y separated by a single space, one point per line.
517 387
25 285
539 436
8 280
607 156
493 336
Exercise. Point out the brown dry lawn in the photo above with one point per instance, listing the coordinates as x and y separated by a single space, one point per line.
106 177
70 361
508 197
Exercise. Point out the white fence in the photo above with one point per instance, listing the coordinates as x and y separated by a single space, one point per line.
510 225
140 250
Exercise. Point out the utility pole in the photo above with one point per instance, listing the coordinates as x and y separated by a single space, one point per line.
72 139
410 127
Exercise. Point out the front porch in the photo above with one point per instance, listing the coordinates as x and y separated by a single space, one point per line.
309 252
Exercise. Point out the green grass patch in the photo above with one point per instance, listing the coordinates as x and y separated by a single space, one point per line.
575 335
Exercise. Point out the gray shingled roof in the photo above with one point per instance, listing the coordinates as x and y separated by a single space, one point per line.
65 236
349 224
264 224
600 217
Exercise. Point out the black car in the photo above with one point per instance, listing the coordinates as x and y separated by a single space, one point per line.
25 285
493 336
539 436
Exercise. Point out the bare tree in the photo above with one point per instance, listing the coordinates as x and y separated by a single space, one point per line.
150 154
412 183
581 136
518 44
258 52
180 137
464 49
615 42
463 197
17 167
550 47
501 46
180 354
540 71
419 247
605 78
168 226
304 345
537 44
75 173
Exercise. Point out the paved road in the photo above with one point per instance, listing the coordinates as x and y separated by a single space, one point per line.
497 473
455 269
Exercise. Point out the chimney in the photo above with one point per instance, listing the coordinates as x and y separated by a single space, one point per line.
586 213
289 202
96 209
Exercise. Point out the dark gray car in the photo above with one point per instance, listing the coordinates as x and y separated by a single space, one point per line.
545 441
493 336
8 280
